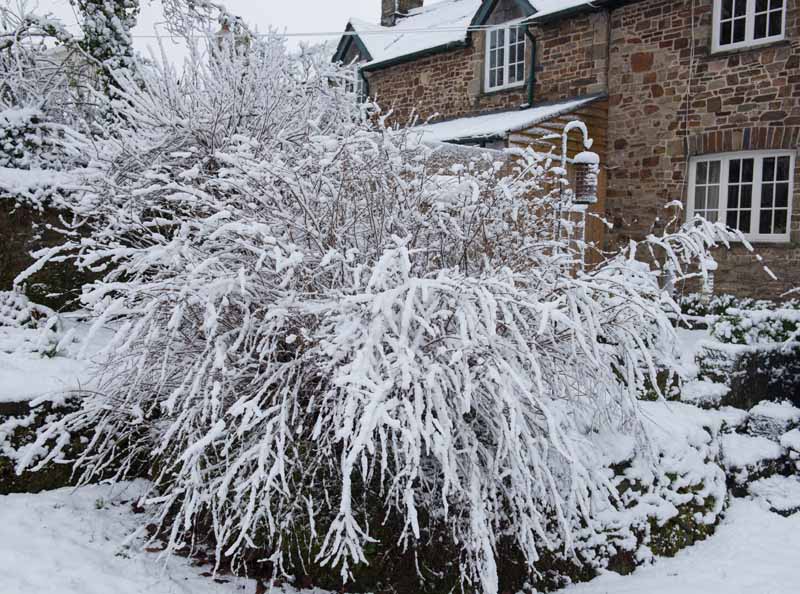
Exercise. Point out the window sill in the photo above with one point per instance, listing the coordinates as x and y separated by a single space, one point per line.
500 90
755 47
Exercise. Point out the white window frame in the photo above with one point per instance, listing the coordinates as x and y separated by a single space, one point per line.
506 53
755 212
750 25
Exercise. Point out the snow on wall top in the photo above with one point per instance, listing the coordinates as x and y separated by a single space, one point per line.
498 124
435 25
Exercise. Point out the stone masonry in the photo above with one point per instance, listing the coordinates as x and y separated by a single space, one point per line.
571 60
670 98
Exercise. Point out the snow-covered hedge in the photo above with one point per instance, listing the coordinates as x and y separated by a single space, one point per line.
754 349
331 351
29 141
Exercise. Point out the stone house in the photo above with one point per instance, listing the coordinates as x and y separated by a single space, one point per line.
690 100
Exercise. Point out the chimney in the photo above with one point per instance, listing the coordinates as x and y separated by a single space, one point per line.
392 9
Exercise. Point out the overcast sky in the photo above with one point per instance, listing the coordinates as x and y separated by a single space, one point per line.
293 16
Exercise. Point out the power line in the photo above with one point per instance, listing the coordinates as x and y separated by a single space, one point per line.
385 31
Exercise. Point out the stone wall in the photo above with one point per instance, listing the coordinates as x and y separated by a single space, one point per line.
671 98
571 61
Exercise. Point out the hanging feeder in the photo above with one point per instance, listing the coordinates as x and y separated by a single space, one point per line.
587 168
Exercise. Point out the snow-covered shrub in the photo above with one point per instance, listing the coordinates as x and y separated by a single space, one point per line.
330 352
755 352
699 305
26 326
29 141
772 419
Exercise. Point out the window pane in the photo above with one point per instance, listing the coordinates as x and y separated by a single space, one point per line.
767 193
702 172
775 22
765 223
744 221
776 4
746 196
761 26
734 171
783 168
727 9
741 7
733 197
738 30
700 199
769 169
782 195
725 33
762 5
780 221
713 170
747 170
732 219
713 198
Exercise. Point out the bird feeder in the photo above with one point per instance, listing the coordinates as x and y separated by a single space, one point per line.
587 168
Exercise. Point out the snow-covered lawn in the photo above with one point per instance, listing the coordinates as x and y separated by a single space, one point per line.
72 542
26 374
753 552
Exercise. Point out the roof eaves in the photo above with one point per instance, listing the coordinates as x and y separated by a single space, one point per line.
576 10
586 99
346 41
566 13
414 56
487 8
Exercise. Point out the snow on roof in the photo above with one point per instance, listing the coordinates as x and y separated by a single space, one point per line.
424 28
498 124
550 7
436 25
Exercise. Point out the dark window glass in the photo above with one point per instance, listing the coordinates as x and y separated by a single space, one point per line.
738 30
747 170
734 170
783 168
733 197
761 26
766 196
775 23
769 169
727 9
780 221
702 172
713 172
744 221
725 34
746 197
765 223
781 195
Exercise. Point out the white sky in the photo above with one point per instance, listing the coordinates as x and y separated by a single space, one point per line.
291 16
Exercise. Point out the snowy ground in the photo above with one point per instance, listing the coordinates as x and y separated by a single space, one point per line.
25 374
753 552
70 542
